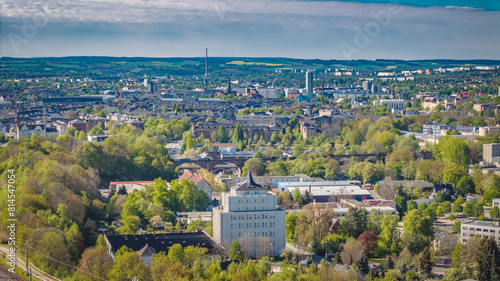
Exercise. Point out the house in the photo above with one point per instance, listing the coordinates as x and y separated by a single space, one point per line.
198 181
148 245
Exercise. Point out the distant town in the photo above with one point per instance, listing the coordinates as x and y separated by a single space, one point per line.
251 169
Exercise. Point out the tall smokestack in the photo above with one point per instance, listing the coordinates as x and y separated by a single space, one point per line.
206 63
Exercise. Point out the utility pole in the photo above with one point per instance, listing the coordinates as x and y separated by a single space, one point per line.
30 274
27 257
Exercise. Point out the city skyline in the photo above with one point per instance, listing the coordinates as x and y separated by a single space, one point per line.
299 29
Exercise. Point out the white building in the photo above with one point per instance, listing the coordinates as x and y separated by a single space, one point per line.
325 191
268 181
341 212
483 229
249 214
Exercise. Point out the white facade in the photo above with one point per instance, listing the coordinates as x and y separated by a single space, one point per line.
482 229
248 212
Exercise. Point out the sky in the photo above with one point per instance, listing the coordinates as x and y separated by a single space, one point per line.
311 29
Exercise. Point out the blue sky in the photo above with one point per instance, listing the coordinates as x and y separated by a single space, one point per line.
368 29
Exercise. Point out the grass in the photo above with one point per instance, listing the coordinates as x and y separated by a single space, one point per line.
240 62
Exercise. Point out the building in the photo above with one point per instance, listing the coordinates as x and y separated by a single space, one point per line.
100 138
27 130
309 82
483 229
392 104
495 203
129 186
173 148
326 191
491 153
267 181
249 214
150 244
198 181
366 85
341 212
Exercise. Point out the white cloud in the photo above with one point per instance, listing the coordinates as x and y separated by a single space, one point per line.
254 28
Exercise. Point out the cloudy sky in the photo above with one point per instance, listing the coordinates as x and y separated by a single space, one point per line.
367 29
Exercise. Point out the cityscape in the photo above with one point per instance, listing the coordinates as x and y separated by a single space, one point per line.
371 156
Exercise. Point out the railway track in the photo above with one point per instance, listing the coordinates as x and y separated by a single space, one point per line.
6 275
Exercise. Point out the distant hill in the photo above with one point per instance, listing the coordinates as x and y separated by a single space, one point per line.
137 66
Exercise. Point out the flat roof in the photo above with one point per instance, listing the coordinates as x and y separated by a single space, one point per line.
318 183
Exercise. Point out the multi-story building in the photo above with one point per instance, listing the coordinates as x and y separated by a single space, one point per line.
27 130
396 103
483 229
491 153
309 82
249 214
268 181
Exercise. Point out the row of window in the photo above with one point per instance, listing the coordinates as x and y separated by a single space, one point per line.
252 225
256 234
249 217
250 201
479 229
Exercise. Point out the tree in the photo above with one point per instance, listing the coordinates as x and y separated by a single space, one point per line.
291 223
457 205
127 266
354 222
490 194
254 166
274 138
368 240
488 259
72 131
425 261
95 261
96 131
452 150
352 251
235 253
362 263
222 134
81 136
176 253
416 222
495 213
465 186
130 224
264 247
453 173
456 226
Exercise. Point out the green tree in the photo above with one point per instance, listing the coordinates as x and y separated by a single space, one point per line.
453 173
235 253
127 266
495 213
95 261
354 222
425 261
81 136
464 186
291 223
222 134
488 260
457 205
130 224
274 137
452 150
490 194
96 131
254 166
362 263
176 253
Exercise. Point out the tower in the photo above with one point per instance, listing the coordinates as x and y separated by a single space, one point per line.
229 90
309 82
206 66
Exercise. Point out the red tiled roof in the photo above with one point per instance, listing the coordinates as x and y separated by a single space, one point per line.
191 177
